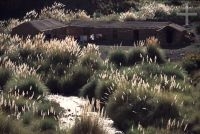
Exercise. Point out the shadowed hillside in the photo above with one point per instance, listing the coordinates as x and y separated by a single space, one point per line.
18 8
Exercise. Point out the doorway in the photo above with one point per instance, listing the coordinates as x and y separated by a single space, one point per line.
169 36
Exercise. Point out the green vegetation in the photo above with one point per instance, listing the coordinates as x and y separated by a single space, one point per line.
198 29
139 89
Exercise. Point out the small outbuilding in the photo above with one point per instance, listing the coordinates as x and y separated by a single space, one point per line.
49 27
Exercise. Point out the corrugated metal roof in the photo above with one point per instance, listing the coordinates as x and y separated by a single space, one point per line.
116 24
46 24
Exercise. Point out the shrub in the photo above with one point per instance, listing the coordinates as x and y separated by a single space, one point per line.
29 86
89 89
103 90
173 70
164 110
198 29
91 61
5 75
90 123
118 58
126 109
87 125
51 109
27 117
156 54
77 78
48 124
191 62
54 84
56 58
10 126
137 106
136 55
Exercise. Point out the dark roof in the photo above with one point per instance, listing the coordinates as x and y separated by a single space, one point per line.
46 24
174 26
117 24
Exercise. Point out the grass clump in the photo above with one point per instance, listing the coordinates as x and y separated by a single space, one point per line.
118 58
72 82
91 61
155 54
89 123
48 124
5 75
135 106
198 29
136 55
29 87
53 83
27 118
88 90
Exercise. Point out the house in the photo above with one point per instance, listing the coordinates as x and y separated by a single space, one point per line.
50 27
169 34
103 32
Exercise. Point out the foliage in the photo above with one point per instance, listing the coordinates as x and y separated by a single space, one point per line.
118 58
88 90
90 123
29 87
136 55
155 54
72 82
5 75
191 62
198 29
48 124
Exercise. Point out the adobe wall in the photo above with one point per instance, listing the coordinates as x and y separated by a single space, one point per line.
178 38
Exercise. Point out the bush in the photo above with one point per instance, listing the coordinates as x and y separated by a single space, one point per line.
191 62
5 75
75 80
46 106
132 107
164 110
88 125
30 86
198 29
27 117
136 55
118 58
172 70
156 54
91 61
88 89
48 124
61 58
10 126
126 109
54 84
103 90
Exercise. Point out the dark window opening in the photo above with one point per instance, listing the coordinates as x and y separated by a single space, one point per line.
169 36
115 34
136 35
